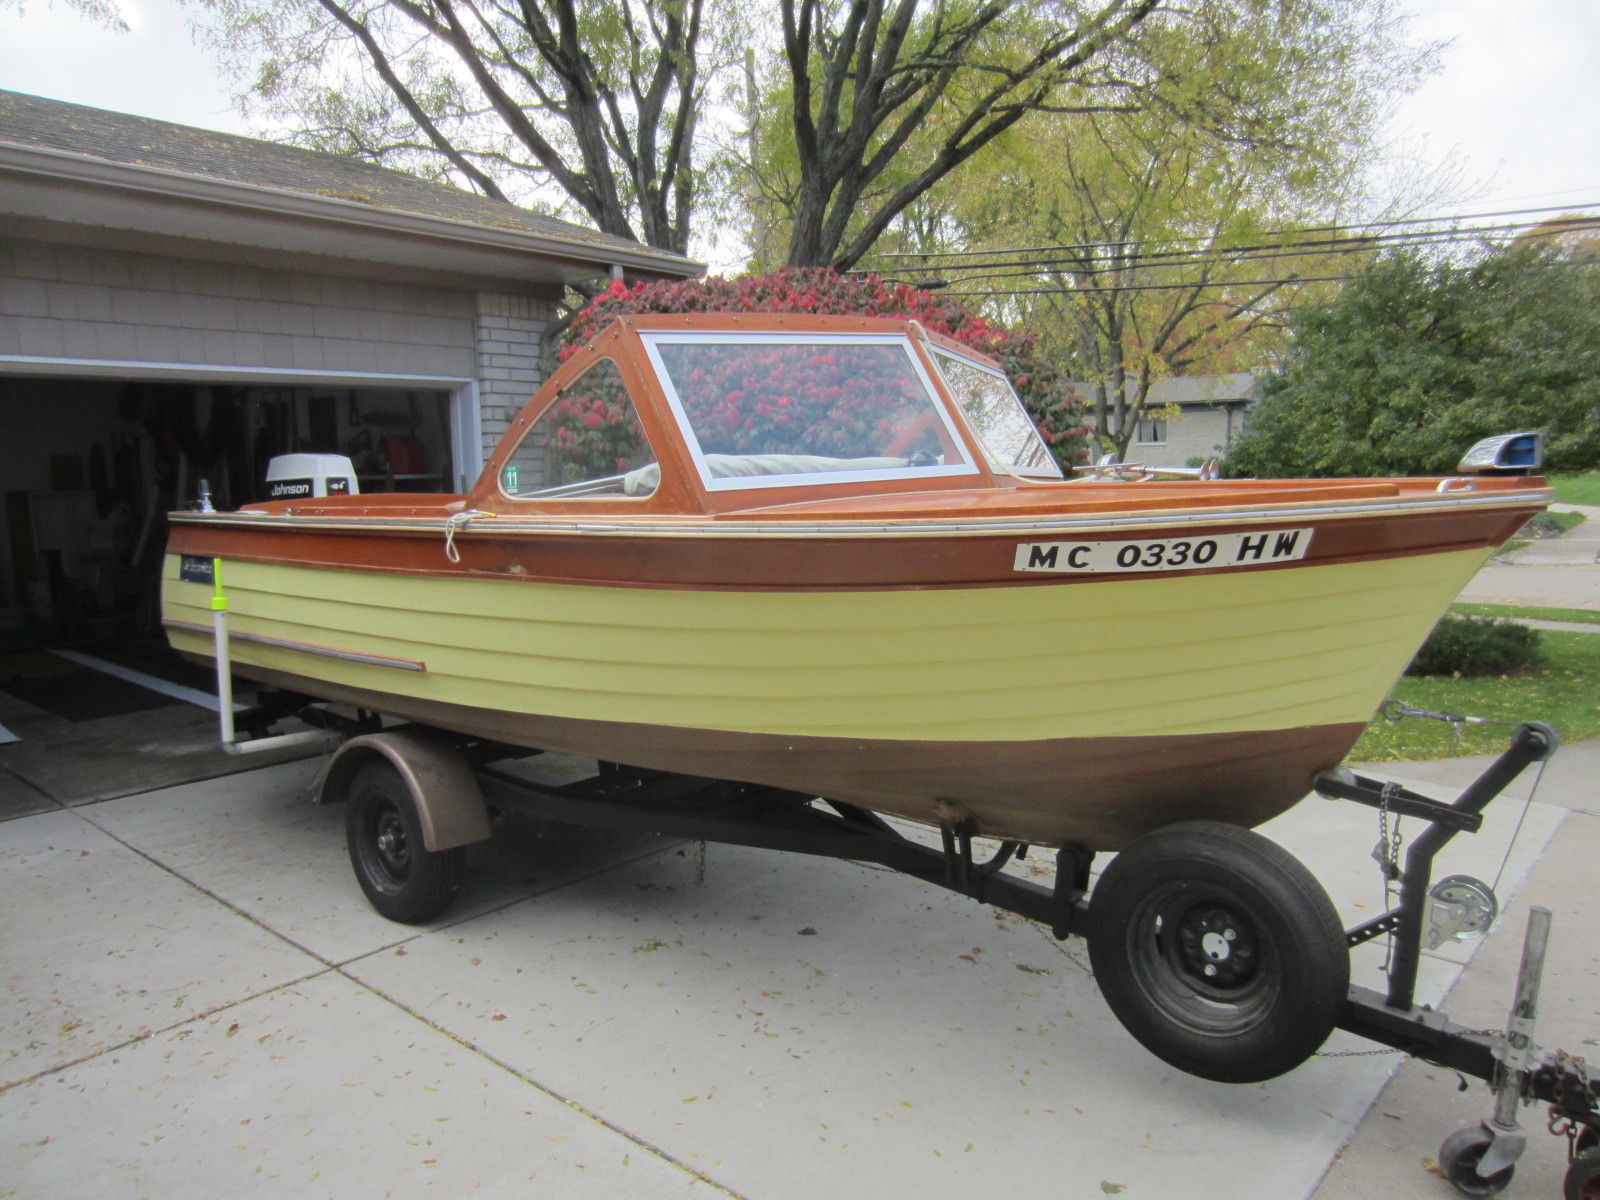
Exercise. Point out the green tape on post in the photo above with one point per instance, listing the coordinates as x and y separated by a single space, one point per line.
219 602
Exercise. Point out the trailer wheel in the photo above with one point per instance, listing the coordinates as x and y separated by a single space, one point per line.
403 879
1459 1157
1219 951
1583 1176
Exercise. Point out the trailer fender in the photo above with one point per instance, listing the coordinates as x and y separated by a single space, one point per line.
448 796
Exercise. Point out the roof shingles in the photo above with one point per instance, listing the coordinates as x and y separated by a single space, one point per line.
142 141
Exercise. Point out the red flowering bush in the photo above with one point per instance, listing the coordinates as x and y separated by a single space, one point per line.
1054 405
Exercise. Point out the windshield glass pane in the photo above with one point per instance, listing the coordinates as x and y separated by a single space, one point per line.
764 410
1008 436
589 442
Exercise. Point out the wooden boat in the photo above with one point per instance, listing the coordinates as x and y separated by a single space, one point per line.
832 555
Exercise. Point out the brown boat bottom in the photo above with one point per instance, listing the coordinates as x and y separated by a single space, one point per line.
1095 792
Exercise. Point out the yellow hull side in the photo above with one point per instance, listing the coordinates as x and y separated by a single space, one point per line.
1218 653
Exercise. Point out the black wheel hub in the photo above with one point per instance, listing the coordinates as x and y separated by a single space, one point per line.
1216 947
389 839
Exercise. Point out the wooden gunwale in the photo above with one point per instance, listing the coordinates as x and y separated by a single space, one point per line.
835 556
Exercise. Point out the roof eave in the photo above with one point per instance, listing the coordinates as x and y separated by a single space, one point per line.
602 254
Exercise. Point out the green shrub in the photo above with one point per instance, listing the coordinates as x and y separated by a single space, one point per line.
1464 646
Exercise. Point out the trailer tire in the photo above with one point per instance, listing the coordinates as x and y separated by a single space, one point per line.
1582 1181
402 878
1218 951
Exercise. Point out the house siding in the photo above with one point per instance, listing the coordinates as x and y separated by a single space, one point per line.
1193 433
77 302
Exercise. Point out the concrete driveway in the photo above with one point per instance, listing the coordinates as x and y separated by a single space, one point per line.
197 1001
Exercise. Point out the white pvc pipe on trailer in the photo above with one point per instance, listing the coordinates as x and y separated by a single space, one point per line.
219 640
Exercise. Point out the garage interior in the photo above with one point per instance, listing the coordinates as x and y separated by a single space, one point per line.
91 467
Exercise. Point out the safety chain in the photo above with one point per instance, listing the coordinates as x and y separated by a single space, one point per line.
1387 852
1560 1124
1387 855
1059 946
1397 1050
700 864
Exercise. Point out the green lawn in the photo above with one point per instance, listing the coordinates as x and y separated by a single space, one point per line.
1565 692
1577 489
1582 616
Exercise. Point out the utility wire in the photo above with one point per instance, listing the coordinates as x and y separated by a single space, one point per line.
1197 258
1288 232
1185 285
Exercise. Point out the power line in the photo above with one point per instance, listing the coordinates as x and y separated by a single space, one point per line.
1012 271
1187 285
1288 232
1156 287
1327 247
1000 270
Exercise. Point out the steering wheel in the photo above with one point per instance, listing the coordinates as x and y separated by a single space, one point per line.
908 436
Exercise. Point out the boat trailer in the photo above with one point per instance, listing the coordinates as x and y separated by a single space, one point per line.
418 796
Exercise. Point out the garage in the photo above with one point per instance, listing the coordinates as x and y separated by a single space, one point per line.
92 465
179 305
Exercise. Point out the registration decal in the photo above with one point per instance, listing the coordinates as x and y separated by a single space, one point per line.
195 569
1209 552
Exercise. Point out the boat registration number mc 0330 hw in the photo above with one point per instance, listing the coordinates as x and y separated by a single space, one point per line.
1211 552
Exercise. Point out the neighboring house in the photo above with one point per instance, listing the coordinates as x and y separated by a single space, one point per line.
1210 412
177 302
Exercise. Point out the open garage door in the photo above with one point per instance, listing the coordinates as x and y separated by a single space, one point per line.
91 466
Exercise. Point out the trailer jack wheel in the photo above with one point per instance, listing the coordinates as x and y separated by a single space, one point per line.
1459 1157
403 879
1219 951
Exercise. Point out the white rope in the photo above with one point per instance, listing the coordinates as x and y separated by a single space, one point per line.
452 523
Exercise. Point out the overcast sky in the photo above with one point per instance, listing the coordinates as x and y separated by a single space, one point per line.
1515 101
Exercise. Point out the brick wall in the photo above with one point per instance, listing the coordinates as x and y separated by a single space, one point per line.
511 332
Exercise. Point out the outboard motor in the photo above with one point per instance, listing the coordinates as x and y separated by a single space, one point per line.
310 476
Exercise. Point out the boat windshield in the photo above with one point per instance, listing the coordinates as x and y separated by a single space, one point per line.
777 410
1010 440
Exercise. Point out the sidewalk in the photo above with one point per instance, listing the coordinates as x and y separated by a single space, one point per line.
1578 546
1561 572
199 1002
